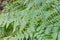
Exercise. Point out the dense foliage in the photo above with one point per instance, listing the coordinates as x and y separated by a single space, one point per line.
30 20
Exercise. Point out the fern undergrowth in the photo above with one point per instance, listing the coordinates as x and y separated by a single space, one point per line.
30 20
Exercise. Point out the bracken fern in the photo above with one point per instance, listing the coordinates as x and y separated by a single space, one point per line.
30 20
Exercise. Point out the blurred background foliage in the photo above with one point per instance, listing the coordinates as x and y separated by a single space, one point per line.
30 20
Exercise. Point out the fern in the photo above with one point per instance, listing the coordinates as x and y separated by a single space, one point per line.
30 20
